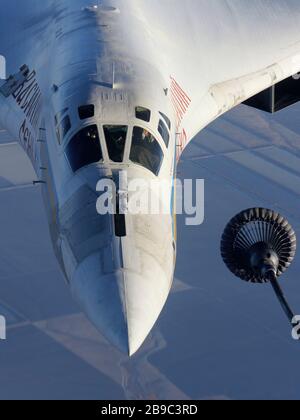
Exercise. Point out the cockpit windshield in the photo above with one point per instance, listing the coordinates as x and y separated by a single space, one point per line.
115 136
146 151
84 148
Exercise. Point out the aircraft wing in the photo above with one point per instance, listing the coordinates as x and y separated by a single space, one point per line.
216 53
224 52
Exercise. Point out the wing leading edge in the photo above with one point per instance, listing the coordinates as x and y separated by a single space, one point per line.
227 51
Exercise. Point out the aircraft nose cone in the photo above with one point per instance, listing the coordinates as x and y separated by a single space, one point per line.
102 297
123 306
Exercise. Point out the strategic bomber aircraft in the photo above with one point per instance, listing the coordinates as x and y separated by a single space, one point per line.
97 88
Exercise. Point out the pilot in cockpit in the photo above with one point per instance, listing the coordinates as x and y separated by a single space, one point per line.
92 133
146 150
147 136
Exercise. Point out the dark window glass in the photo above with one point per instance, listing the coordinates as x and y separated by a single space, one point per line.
143 114
115 136
146 151
59 115
63 128
164 132
167 120
84 148
86 111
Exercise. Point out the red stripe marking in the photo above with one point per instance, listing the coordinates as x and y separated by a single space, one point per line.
180 94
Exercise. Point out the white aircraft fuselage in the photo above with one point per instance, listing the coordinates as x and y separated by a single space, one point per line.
122 281
105 78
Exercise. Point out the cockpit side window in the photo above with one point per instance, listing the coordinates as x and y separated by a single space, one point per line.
167 120
86 111
84 148
164 132
59 115
115 136
63 128
146 151
143 114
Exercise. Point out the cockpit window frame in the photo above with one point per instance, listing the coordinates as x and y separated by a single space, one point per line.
89 109
166 120
164 132
105 139
59 115
101 159
63 128
140 110
157 172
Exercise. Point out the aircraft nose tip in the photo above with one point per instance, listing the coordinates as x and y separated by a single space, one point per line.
103 301
123 305
145 299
